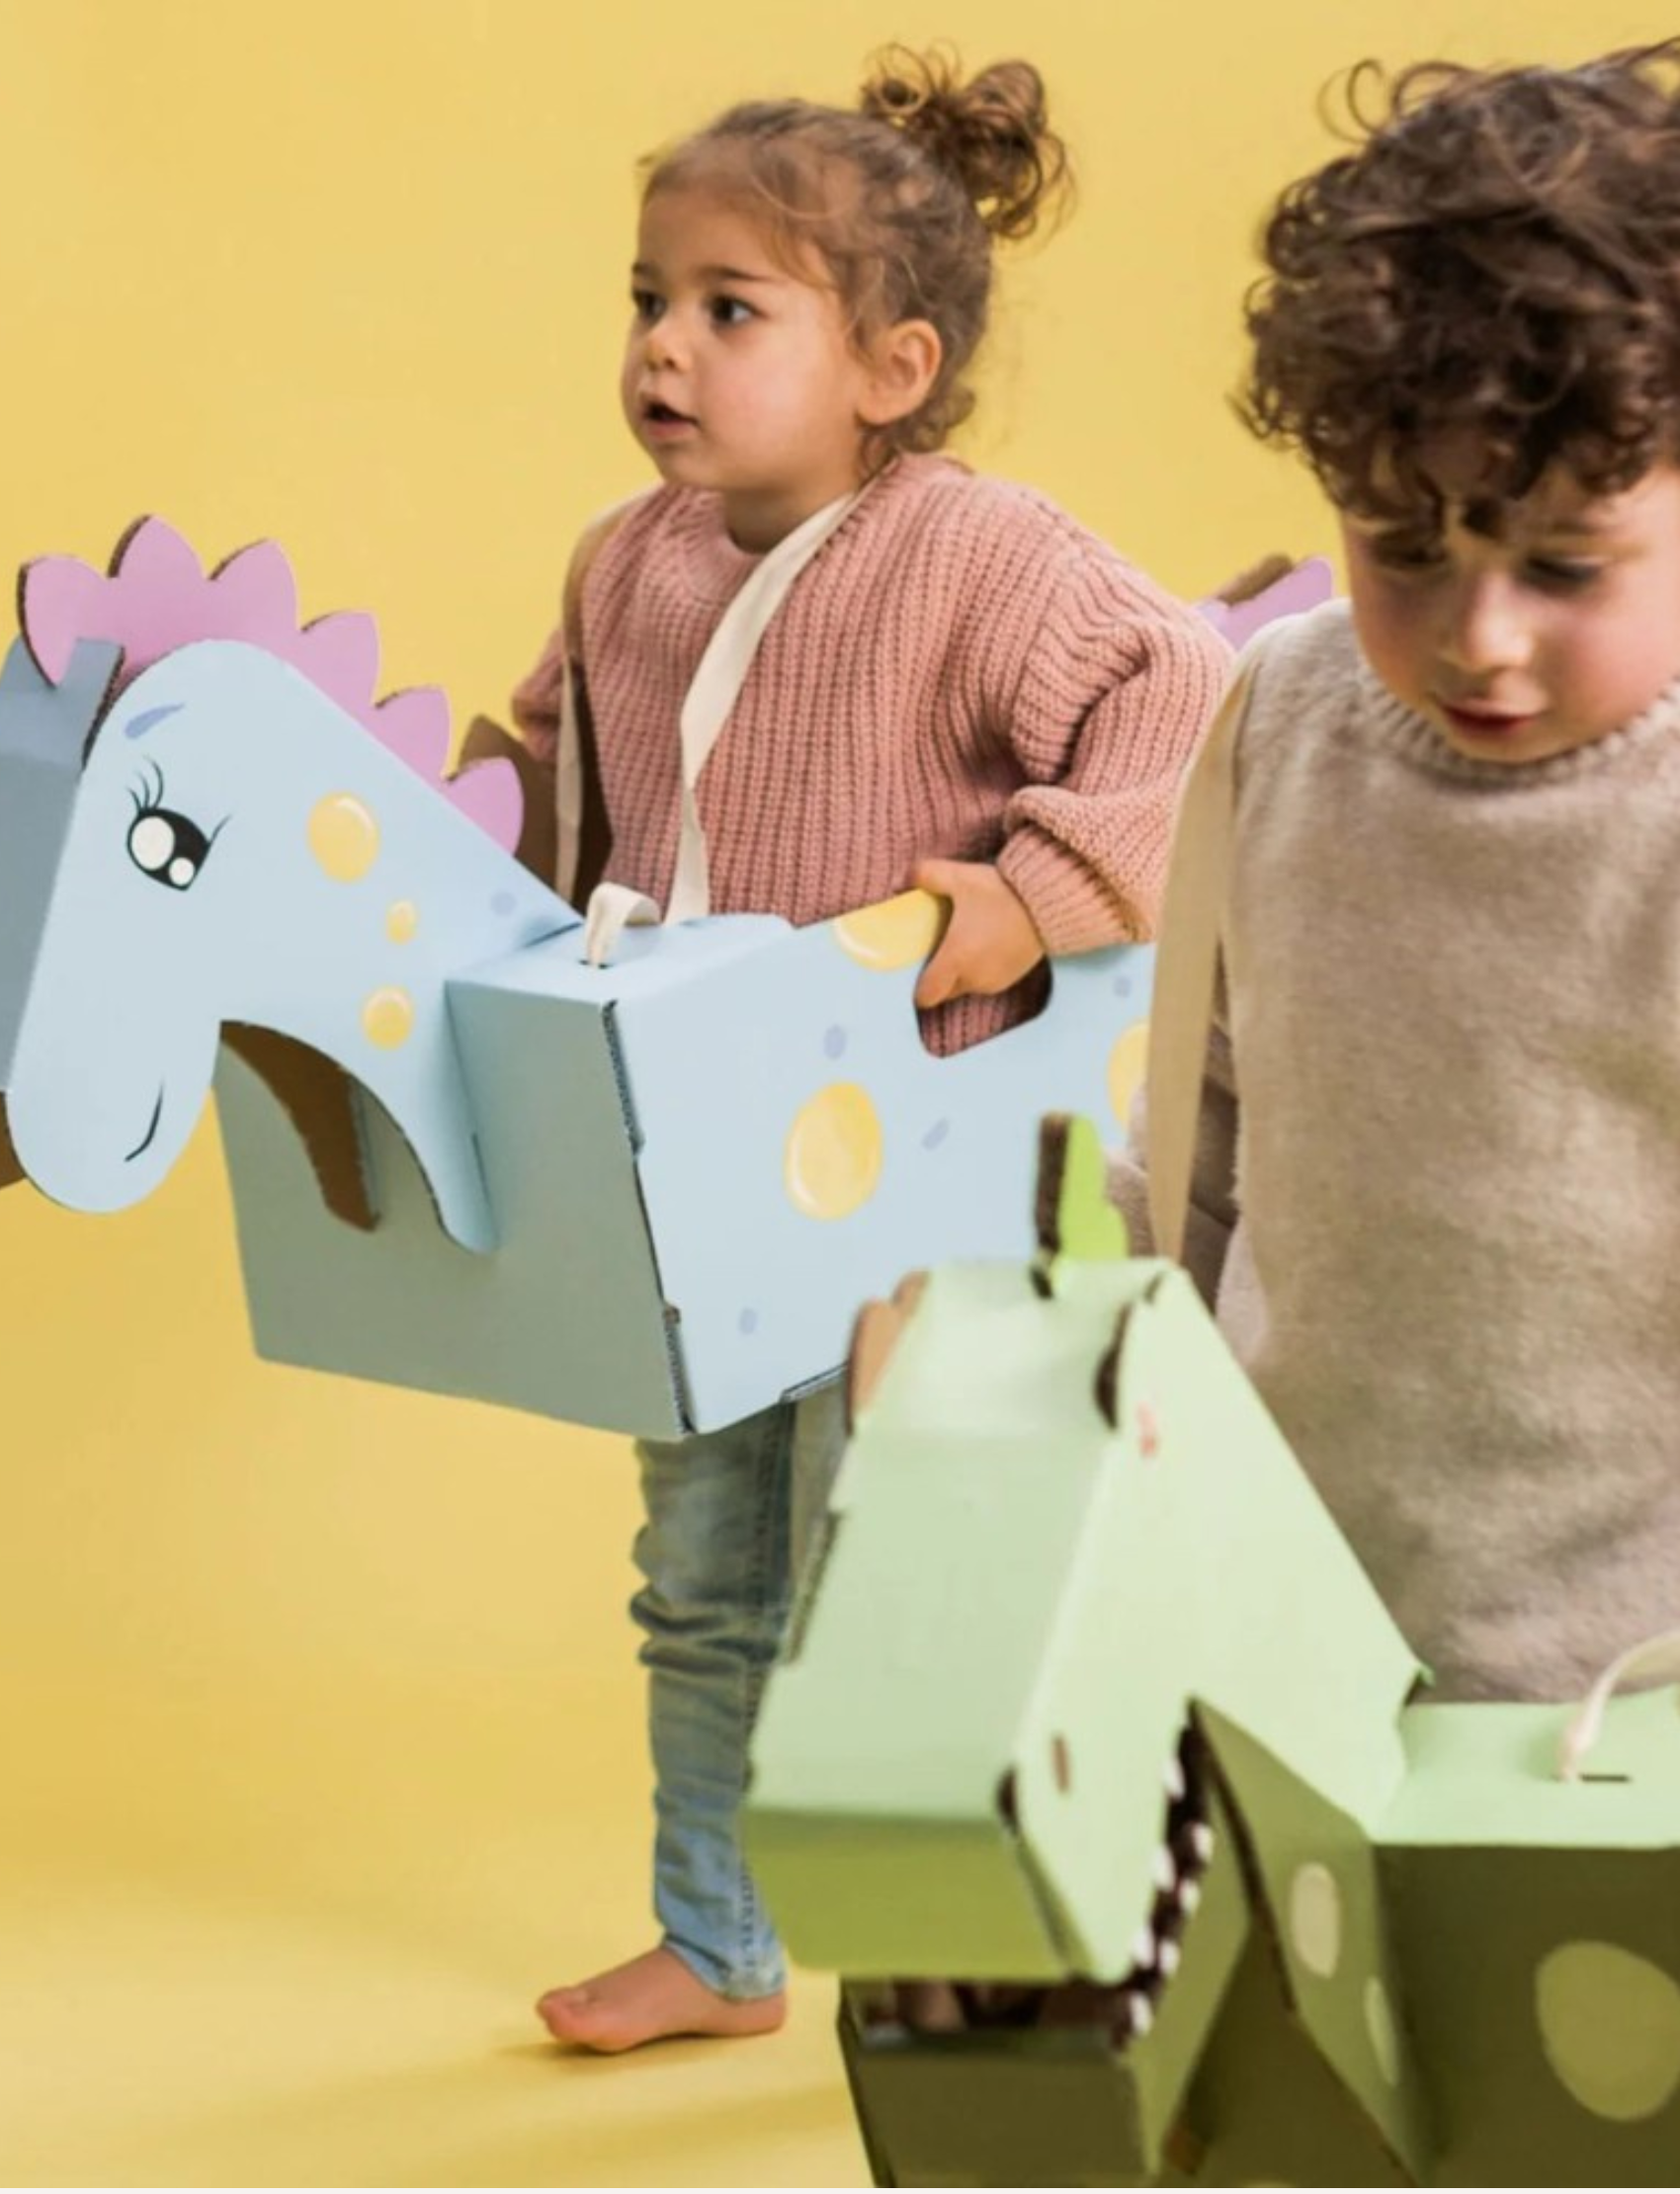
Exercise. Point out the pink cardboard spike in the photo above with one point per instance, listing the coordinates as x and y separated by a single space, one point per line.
340 653
489 794
415 726
259 578
58 605
156 598
1303 587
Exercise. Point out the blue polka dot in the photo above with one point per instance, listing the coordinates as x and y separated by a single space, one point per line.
834 1042
504 902
748 1322
1122 986
936 1135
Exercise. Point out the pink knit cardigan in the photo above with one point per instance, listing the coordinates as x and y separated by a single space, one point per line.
961 671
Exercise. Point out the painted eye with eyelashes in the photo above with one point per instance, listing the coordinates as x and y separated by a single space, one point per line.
164 845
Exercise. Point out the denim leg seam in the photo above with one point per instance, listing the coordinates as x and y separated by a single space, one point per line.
773 1492
716 1554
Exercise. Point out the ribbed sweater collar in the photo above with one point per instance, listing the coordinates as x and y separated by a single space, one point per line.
714 568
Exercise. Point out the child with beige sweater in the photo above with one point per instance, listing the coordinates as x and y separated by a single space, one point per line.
1436 1187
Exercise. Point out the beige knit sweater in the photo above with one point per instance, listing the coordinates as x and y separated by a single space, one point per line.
1449 1116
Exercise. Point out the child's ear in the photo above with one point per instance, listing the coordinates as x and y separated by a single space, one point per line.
905 362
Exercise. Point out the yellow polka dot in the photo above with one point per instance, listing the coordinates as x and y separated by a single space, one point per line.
1315 1920
387 1018
402 919
1380 2028
343 837
1610 2027
1127 1062
895 934
833 1160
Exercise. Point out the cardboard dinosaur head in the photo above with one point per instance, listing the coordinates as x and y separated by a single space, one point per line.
199 804
1065 1536
977 1736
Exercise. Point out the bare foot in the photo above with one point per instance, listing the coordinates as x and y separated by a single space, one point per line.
652 1999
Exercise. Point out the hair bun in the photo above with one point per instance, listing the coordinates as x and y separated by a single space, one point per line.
991 132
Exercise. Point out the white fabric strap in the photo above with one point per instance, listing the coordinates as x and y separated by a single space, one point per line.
707 708
1186 966
569 789
613 908
1652 1657
717 683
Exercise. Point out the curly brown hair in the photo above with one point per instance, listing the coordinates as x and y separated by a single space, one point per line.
901 200
1496 263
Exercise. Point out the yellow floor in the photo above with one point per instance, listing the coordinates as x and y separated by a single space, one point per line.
153 2037
322 1756
312 1966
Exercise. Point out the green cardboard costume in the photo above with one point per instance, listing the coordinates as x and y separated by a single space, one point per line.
1090 1704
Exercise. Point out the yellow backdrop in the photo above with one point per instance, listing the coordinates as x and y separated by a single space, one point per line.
322 1730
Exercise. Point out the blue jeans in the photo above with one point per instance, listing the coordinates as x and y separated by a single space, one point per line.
729 1516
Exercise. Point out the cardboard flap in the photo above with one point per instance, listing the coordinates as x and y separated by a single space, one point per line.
1486 1776
1321 1904
565 1319
44 734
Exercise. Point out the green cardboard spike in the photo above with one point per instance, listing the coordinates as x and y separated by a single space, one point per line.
1075 1218
1092 1705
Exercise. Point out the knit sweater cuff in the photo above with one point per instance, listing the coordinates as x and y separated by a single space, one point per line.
1074 910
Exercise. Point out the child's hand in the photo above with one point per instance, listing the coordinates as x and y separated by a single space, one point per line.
989 942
